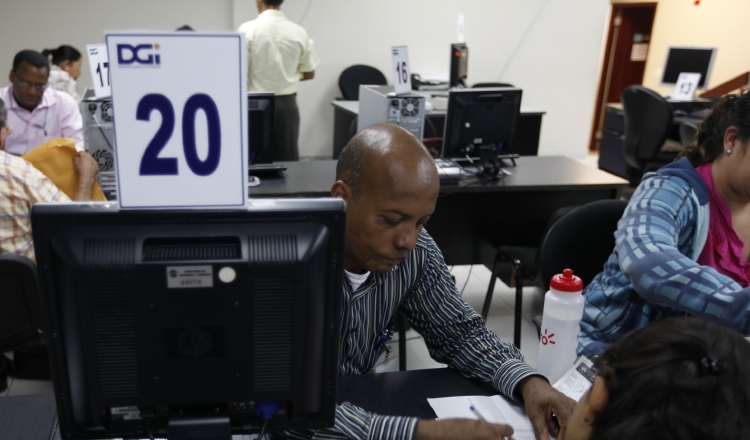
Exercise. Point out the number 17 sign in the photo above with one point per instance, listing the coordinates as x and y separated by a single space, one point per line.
181 125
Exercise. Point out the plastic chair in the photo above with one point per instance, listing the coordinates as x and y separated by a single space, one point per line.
576 237
354 76
648 120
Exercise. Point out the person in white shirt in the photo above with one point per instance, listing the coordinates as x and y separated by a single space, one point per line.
37 112
279 55
65 69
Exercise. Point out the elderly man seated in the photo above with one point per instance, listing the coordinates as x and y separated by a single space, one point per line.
22 185
38 113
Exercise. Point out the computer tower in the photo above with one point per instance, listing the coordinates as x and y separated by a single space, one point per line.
99 136
378 104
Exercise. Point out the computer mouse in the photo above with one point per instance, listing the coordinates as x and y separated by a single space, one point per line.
253 181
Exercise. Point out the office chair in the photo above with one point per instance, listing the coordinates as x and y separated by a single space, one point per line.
354 76
687 132
648 120
576 237
485 85
21 310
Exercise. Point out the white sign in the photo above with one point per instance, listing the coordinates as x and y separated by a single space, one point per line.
401 72
99 66
460 29
687 83
181 126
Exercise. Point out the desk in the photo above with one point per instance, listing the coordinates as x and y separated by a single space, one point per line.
472 218
527 131
402 393
611 150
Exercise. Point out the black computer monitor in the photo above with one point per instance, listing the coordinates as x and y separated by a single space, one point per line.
260 120
480 125
165 321
459 64
688 59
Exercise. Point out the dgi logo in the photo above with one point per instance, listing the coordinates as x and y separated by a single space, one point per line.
137 56
547 339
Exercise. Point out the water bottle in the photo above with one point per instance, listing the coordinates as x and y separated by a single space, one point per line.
563 310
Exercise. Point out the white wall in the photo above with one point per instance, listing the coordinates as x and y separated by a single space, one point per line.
556 64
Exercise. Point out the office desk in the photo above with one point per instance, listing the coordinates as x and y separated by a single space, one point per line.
402 393
473 217
527 131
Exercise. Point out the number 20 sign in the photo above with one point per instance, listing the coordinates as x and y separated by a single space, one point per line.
181 125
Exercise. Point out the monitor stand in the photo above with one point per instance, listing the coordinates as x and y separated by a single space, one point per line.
492 161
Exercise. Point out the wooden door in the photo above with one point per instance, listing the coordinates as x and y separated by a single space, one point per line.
624 61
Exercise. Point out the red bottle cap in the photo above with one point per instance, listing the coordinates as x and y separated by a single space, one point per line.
566 282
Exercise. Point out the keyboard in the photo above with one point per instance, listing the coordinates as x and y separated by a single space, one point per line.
259 169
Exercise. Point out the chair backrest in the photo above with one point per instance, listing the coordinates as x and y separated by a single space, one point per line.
581 240
486 85
687 132
648 119
20 306
354 76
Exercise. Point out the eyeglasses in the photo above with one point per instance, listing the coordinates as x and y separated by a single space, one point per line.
28 85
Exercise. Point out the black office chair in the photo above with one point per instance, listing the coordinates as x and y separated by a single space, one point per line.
516 266
486 85
20 308
354 76
687 132
648 120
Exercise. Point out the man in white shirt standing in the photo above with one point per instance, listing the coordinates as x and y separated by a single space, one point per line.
279 55
37 112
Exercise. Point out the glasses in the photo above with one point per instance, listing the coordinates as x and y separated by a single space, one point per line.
28 85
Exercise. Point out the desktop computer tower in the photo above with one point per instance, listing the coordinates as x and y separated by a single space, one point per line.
378 104
99 135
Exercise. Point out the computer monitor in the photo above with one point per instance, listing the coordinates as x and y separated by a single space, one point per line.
459 64
260 120
480 124
688 59
161 322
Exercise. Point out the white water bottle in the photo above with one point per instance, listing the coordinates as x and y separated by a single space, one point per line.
563 310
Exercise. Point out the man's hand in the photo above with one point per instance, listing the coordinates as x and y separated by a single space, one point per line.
87 167
460 428
542 401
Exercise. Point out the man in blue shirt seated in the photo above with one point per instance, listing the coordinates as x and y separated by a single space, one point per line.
390 185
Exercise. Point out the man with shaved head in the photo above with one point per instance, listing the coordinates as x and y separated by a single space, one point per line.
390 184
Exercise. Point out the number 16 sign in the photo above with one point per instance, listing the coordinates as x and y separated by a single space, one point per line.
181 125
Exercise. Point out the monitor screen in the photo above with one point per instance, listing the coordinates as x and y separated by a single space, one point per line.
260 120
688 59
163 319
480 117
459 64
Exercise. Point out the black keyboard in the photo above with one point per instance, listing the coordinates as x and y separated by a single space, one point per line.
259 169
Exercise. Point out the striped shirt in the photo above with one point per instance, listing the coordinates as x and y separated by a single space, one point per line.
21 186
422 290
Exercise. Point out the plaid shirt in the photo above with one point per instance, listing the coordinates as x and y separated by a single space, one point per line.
421 288
21 186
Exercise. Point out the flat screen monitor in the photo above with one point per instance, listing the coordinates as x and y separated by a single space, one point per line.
260 120
162 322
481 117
459 64
688 59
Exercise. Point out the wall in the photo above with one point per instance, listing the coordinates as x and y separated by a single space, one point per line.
551 49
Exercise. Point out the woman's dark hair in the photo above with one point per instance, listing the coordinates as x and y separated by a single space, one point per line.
679 378
708 144
62 53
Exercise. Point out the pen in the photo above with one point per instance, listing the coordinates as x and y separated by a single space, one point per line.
476 412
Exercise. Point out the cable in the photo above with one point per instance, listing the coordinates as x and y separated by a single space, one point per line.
304 14
523 38
467 279
263 430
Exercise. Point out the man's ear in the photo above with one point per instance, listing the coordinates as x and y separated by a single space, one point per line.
10 76
597 399
341 190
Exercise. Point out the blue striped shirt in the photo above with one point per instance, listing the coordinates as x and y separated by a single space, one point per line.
422 290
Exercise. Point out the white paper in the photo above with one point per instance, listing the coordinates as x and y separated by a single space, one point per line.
576 381
99 67
687 83
401 70
639 52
